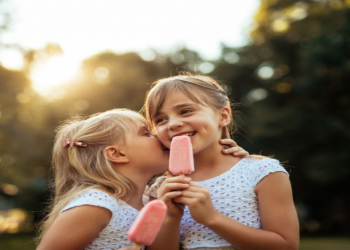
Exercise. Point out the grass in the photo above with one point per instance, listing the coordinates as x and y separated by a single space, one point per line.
25 242
324 243
17 241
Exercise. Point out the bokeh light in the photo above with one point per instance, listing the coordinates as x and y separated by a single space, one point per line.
206 67
257 94
265 72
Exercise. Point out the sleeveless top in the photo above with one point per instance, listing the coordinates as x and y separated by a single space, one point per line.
233 195
113 236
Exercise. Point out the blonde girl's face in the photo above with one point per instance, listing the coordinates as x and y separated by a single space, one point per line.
147 153
180 115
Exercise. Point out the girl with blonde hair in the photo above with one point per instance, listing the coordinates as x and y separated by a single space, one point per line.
231 203
102 165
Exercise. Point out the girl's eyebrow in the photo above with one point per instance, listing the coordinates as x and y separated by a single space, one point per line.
176 107
179 106
182 105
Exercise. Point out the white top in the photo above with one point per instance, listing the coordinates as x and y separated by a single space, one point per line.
113 236
233 195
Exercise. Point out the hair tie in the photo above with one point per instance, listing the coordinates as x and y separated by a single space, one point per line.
72 143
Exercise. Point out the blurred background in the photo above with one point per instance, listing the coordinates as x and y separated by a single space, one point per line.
286 63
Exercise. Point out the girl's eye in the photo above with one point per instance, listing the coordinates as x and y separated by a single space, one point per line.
186 111
148 133
159 121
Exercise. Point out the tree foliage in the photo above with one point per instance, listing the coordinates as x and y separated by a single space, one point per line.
294 81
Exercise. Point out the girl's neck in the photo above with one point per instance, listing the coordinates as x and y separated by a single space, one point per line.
212 162
136 200
140 180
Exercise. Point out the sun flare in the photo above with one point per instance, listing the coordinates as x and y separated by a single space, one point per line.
48 75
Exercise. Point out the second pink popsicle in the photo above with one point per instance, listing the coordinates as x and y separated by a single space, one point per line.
147 224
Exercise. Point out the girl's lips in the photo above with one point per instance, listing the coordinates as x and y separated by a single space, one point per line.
189 134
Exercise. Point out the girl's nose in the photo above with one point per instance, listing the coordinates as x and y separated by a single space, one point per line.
174 123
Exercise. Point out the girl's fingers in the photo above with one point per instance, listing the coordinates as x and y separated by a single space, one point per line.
229 142
232 150
182 200
196 191
241 153
236 151
171 188
171 195
168 187
173 183
177 179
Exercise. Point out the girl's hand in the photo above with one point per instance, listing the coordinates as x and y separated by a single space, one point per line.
171 188
198 200
234 149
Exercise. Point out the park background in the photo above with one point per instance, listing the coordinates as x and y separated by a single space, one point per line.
290 82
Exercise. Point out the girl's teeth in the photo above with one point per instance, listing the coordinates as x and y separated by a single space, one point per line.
189 134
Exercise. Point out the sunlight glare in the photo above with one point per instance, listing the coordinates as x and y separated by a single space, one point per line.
49 74
11 59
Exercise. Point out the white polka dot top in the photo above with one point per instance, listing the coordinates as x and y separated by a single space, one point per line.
113 236
233 195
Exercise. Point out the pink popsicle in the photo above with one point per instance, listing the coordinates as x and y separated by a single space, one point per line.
181 156
147 224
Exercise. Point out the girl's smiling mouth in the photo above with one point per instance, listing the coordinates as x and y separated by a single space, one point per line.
189 134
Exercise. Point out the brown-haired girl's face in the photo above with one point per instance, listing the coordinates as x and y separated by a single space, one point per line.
180 115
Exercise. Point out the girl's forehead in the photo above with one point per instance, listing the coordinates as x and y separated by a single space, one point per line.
142 123
178 98
137 121
136 127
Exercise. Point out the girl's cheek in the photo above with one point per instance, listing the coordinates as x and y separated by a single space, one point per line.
165 143
158 131
162 136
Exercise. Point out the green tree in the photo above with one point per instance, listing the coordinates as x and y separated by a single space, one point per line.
293 81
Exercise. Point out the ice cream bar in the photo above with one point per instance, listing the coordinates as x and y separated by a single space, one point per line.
147 224
181 156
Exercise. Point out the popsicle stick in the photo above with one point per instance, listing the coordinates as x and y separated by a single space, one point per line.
137 246
182 175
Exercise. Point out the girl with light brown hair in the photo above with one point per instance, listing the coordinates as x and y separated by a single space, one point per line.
231 202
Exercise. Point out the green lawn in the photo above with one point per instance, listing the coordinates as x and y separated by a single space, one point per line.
324 244
25 242
17 242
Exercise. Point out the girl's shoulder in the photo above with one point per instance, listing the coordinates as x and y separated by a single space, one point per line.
265 162
94 197
256 169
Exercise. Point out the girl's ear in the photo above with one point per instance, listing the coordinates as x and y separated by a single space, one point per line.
116 155
225 117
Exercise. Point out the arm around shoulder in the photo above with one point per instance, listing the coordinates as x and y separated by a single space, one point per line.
75 228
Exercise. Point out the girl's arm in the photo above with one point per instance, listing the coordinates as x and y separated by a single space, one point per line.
277 212
169 235
75 228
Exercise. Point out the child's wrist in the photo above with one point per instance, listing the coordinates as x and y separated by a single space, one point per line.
212 220
172 219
